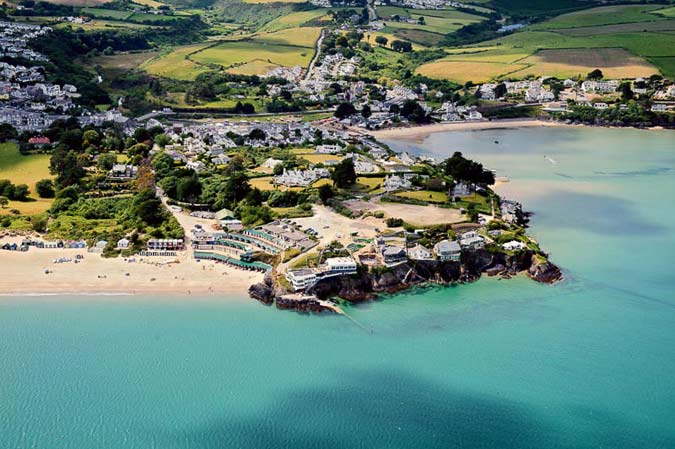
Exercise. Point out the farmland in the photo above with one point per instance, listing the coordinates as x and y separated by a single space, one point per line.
250 57
294 20
436 23
175 64
619 49
303 37
101 13
605 15
27 170
614 63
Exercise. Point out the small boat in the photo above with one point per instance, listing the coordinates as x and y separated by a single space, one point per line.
502 179
497 142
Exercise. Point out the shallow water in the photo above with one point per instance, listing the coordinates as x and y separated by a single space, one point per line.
587 363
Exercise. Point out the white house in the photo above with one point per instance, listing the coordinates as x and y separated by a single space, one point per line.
395 182
472 240
123 243
341 265
419 252
301 279
447 250
271 163
327 149
514 245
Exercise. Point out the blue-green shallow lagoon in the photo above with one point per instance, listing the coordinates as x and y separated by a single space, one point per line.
588 363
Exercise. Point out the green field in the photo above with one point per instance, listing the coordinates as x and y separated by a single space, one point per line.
250 57
174 64
661 25
605 15
294 20
102 24
102 13
416 36
27 170
666 12
144 17
425 195
618 54
300 37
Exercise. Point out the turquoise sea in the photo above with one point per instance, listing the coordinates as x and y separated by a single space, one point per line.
587 363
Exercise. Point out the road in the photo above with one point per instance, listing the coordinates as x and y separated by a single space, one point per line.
317 53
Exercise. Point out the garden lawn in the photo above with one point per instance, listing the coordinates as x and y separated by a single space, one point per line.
27 170
425 195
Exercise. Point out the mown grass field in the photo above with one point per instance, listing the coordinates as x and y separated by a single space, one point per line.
661 25
319 158
666 12
415 36
151 3
301 37
425 195
102 13
614 63
370 38
622 54
174 63
294 20
27 170
252 57
604 15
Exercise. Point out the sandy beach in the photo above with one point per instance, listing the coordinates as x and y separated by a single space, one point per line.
418 133
24 273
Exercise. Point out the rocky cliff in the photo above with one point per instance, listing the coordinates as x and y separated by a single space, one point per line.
367 285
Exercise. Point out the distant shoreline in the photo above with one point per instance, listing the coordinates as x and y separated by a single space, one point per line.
420 132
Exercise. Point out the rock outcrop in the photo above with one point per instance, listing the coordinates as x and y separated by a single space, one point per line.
367 285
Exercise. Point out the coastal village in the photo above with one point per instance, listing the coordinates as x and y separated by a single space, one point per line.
302 205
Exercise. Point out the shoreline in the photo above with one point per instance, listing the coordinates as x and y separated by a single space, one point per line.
24 274
420 132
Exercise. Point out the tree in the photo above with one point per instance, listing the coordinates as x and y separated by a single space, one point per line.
7 132
142 135
344 174
4 201
145 178
414 112
421 21
381 41
626 92
401 46
147 207
66 166
500 90
45 188
236 188
189 188
90 137
344 110
106 161
326 192
595 75
462 169
21 192
257 134
366 111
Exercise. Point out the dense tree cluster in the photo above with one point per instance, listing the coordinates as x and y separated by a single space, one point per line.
463 169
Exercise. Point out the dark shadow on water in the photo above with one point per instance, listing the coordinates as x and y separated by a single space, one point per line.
388 409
